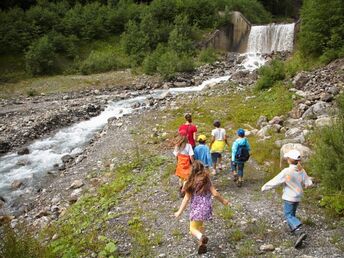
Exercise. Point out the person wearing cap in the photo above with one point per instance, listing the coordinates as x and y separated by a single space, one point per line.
190 129
237 165
217 145
293 178
202 152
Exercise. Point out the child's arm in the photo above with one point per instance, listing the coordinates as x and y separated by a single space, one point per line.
218 196
212 141
277 180
226 140
183 205
234 149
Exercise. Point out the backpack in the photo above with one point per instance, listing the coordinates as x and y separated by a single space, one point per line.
242 153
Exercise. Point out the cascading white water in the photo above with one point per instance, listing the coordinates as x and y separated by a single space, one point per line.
272 37
265 39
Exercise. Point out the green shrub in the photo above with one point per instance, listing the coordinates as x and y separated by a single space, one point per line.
170 63
208 56
270 74
41 57
180 37
14 31
251 9
151 61
103 61
322 29
327 162
20 244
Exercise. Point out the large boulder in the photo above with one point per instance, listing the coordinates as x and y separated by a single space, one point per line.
262 121
293 133
318 109
323 121
304 150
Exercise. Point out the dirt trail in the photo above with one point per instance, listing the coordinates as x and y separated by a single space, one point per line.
252 220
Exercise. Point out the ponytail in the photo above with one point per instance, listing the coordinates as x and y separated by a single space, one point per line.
299 166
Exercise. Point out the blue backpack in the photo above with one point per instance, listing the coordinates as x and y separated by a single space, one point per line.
242 153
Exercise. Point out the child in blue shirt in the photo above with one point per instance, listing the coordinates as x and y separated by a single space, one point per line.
202 152
237 165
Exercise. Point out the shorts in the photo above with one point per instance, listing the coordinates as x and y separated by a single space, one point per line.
215 156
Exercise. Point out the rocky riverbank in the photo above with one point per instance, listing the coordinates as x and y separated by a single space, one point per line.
117 143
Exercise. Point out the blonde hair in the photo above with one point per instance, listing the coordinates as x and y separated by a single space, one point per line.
181 142
296 162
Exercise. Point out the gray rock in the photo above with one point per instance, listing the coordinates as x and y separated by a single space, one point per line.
276 120
76 184
75 195
262 120
318 109
323 121
23 151
293 133
300 80
333 90
326 97
304 150
16 184
264 132
267 248
66 158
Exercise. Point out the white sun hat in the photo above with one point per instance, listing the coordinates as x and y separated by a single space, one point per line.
293 154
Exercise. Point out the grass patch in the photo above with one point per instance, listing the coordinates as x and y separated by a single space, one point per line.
236 235
247 249
21 243
79 228
258 229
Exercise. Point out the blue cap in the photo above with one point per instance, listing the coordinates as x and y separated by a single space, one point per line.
241 132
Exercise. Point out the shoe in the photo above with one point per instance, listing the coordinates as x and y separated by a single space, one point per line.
236 177
300 240
239 183
202 248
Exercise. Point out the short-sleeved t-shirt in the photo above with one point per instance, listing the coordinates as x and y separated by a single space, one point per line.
219 134
189 129
186 151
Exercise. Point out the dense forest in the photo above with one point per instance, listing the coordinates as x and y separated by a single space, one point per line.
49 37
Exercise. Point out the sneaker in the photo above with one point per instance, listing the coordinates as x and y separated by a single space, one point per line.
202 247
300 240
236 177
239 183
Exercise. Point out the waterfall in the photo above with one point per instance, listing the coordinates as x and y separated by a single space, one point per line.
272 37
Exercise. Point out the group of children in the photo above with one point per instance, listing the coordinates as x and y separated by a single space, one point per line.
194 164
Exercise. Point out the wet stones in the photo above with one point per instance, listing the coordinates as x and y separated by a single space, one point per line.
16 184
76 184
23 151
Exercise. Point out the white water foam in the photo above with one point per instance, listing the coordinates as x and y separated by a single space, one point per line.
265 39
272 37
45 153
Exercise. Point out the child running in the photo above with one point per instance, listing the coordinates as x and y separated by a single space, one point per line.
202 152
293 179
217 145
240 154
184 155
199 190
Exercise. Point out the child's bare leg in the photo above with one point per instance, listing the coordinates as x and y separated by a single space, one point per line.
220 162
196 228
